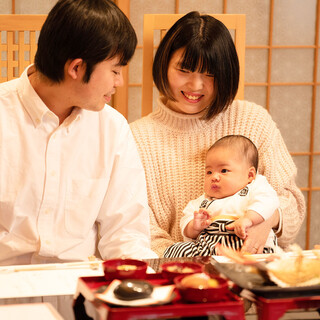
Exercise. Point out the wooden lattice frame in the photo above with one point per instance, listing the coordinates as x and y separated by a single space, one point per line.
19 43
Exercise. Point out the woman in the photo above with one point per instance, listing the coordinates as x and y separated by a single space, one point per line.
196 71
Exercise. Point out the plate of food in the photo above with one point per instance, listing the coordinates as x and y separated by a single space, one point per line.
136 293
292 274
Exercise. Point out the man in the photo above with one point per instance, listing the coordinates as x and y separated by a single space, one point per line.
70 174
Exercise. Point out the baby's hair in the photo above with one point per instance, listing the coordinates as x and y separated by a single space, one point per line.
243 145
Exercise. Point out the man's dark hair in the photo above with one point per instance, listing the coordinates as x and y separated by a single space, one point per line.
93 30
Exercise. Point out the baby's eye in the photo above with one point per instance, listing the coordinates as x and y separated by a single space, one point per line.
209 172
224 170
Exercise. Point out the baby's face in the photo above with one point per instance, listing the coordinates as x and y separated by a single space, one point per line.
227 172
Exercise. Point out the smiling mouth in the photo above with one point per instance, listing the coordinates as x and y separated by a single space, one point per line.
191 97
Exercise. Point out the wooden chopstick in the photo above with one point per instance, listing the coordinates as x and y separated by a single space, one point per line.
52 266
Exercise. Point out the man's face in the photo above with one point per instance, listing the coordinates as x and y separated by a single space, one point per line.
105 78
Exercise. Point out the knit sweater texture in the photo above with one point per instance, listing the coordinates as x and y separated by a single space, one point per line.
173 147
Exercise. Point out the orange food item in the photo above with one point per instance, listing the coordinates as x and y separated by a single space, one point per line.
199 281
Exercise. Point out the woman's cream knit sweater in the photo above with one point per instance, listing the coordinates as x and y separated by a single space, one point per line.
172 147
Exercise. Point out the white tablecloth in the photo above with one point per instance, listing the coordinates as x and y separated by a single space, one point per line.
32 311
32 285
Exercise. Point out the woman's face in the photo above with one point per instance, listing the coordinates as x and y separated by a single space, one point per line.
193 91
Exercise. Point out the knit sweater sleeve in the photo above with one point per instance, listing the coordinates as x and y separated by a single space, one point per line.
162 217
276 164
160 238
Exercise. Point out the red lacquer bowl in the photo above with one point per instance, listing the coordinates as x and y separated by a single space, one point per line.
170 270
124 269
210 294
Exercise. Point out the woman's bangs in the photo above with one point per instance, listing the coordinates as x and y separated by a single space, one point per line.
197 59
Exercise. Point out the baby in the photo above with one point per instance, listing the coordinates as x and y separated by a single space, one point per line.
236 197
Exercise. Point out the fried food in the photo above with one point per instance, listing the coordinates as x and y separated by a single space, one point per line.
296 270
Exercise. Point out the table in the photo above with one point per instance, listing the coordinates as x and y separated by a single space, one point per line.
57 287
30 311
48 283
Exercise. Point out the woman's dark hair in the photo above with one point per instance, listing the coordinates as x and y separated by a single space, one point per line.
92 30
241 143
208 48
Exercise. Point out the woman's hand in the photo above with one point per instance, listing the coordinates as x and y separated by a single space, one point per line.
258 234
256 239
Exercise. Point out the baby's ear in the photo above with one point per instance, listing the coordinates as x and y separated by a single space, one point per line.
252 174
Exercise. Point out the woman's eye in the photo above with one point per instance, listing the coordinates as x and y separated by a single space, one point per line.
209 75
183 70
116 72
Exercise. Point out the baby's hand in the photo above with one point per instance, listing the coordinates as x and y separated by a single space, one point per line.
201 219
240 227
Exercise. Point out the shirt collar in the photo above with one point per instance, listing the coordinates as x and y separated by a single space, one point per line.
73 118
35 107
30 99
